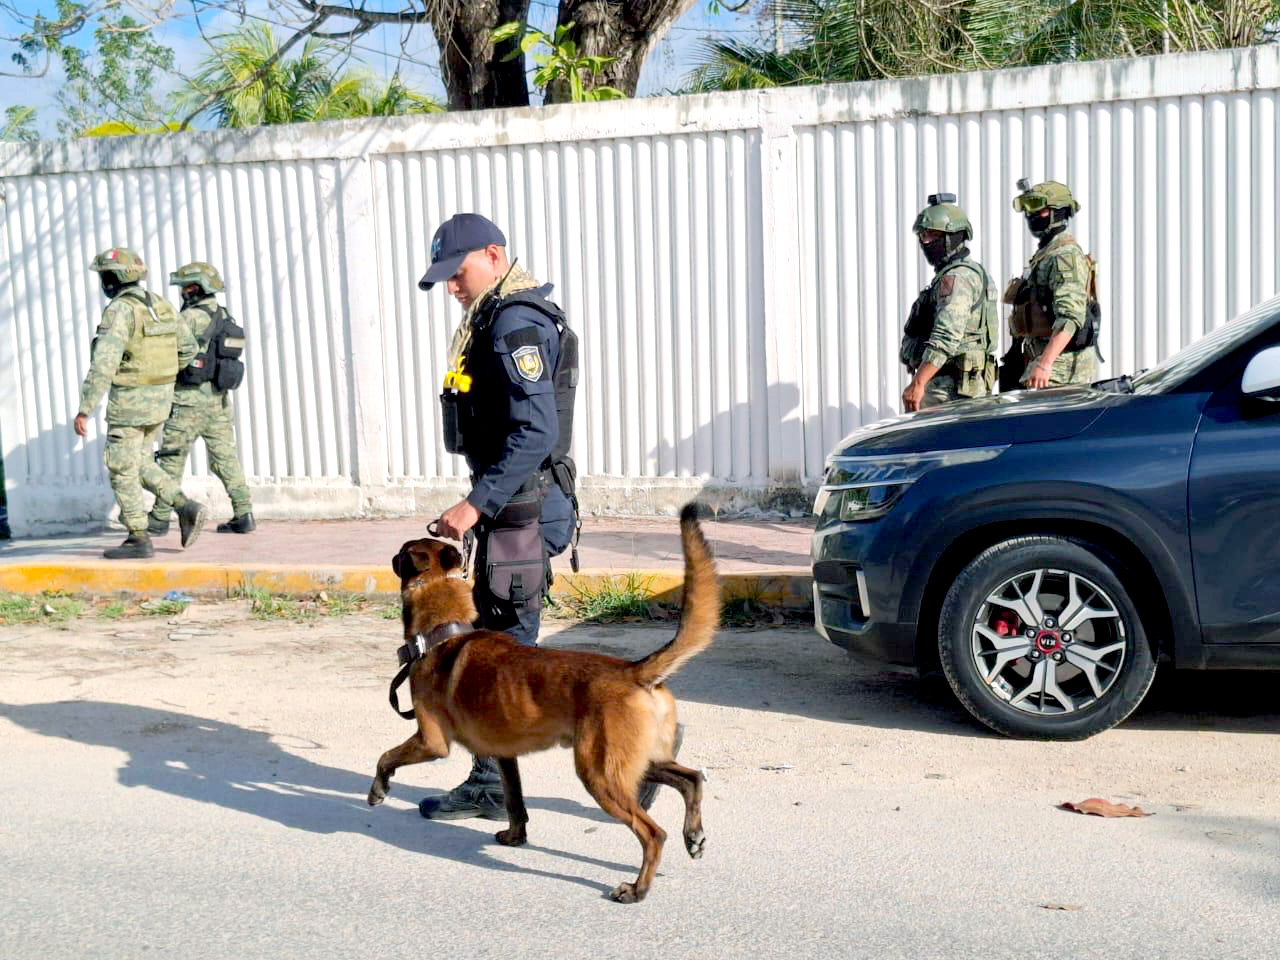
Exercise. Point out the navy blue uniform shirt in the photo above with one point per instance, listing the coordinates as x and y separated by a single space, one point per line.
512 427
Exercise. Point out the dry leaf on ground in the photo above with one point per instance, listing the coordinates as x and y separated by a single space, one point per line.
1097 807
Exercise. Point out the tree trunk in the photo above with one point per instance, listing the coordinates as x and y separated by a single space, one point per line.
471 67
624 29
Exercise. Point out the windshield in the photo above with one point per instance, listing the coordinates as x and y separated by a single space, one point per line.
1194 358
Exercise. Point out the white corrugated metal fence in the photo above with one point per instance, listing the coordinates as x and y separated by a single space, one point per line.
738 266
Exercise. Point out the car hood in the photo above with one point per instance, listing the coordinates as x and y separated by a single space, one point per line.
1022 416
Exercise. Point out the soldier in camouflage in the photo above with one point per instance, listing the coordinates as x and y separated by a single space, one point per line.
139 348
953 327
1055 313
202 410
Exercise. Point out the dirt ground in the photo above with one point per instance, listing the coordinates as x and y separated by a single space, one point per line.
195 785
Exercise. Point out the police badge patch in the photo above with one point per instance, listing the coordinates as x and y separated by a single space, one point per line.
528 362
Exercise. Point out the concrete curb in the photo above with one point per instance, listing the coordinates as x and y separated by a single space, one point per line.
788 588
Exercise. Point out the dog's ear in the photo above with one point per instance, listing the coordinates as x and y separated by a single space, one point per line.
450 558
418 556
395 565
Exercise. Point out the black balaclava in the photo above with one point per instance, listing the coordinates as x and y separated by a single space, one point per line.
113 285
1048 222
942 251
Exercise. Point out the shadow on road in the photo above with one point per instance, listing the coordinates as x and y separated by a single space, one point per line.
209 761
794 671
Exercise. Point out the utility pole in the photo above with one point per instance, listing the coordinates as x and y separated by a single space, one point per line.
777 28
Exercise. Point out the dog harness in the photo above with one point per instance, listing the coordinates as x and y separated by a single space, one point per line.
414 651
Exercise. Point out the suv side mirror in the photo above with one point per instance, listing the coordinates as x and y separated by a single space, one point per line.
1262 375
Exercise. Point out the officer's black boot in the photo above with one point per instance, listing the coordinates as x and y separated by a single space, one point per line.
137 546
190 521
242 524
480 795
649 789
157 526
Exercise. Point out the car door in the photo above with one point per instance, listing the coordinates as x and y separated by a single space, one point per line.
1233 500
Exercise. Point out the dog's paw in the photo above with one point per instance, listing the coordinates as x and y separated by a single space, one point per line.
512 838
377 792
695 842
626 893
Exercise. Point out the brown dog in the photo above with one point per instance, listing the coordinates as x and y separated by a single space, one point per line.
500 699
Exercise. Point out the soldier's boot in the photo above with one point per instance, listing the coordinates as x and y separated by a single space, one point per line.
191 521
137 546
242 524
649 789
157 526
480 795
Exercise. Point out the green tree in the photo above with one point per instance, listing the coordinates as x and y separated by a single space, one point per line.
20 125
115 80
477 72
832 41
248 79
563 74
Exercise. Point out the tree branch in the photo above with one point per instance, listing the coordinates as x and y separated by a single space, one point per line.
351 34
258 74
370 17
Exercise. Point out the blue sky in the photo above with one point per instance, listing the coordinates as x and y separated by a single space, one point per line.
381 49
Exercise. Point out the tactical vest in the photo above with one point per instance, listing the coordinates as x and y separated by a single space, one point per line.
218 361
151 355
1032 313
924 313
482 408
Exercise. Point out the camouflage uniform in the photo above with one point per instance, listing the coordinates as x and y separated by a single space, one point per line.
963 301
1054 294
1058 274
202 411
954 322
139 348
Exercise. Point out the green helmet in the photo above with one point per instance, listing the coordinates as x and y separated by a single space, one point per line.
943 215
201 274
121 261
1051 194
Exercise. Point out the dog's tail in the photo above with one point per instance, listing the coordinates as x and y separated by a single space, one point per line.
699 613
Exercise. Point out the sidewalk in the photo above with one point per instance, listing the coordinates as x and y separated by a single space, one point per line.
768 560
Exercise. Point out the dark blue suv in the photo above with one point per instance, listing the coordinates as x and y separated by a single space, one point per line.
1047 548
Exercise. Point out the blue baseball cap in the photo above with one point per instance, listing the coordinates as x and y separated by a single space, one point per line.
455 238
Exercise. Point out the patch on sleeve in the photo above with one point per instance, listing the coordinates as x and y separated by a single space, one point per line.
946 286
528 361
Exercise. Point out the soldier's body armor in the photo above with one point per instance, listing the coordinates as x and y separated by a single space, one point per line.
924 314
151 355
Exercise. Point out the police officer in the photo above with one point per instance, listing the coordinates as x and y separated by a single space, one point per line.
1055 313
508 408
953 327
202 399
139 348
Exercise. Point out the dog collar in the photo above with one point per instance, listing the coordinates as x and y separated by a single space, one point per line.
417 648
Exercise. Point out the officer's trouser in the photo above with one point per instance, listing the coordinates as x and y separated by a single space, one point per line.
555 526
131 466
512 567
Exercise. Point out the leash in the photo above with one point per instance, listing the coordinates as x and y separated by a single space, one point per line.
415 650
468 544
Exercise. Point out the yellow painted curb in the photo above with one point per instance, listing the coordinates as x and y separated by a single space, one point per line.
786 587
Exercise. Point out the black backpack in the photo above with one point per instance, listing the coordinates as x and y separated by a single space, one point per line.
218 361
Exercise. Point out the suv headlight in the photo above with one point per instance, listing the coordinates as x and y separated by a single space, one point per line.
866 487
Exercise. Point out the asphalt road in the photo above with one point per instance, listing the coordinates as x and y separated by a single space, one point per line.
204 797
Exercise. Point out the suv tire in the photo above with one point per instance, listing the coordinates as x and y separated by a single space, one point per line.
1039 639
